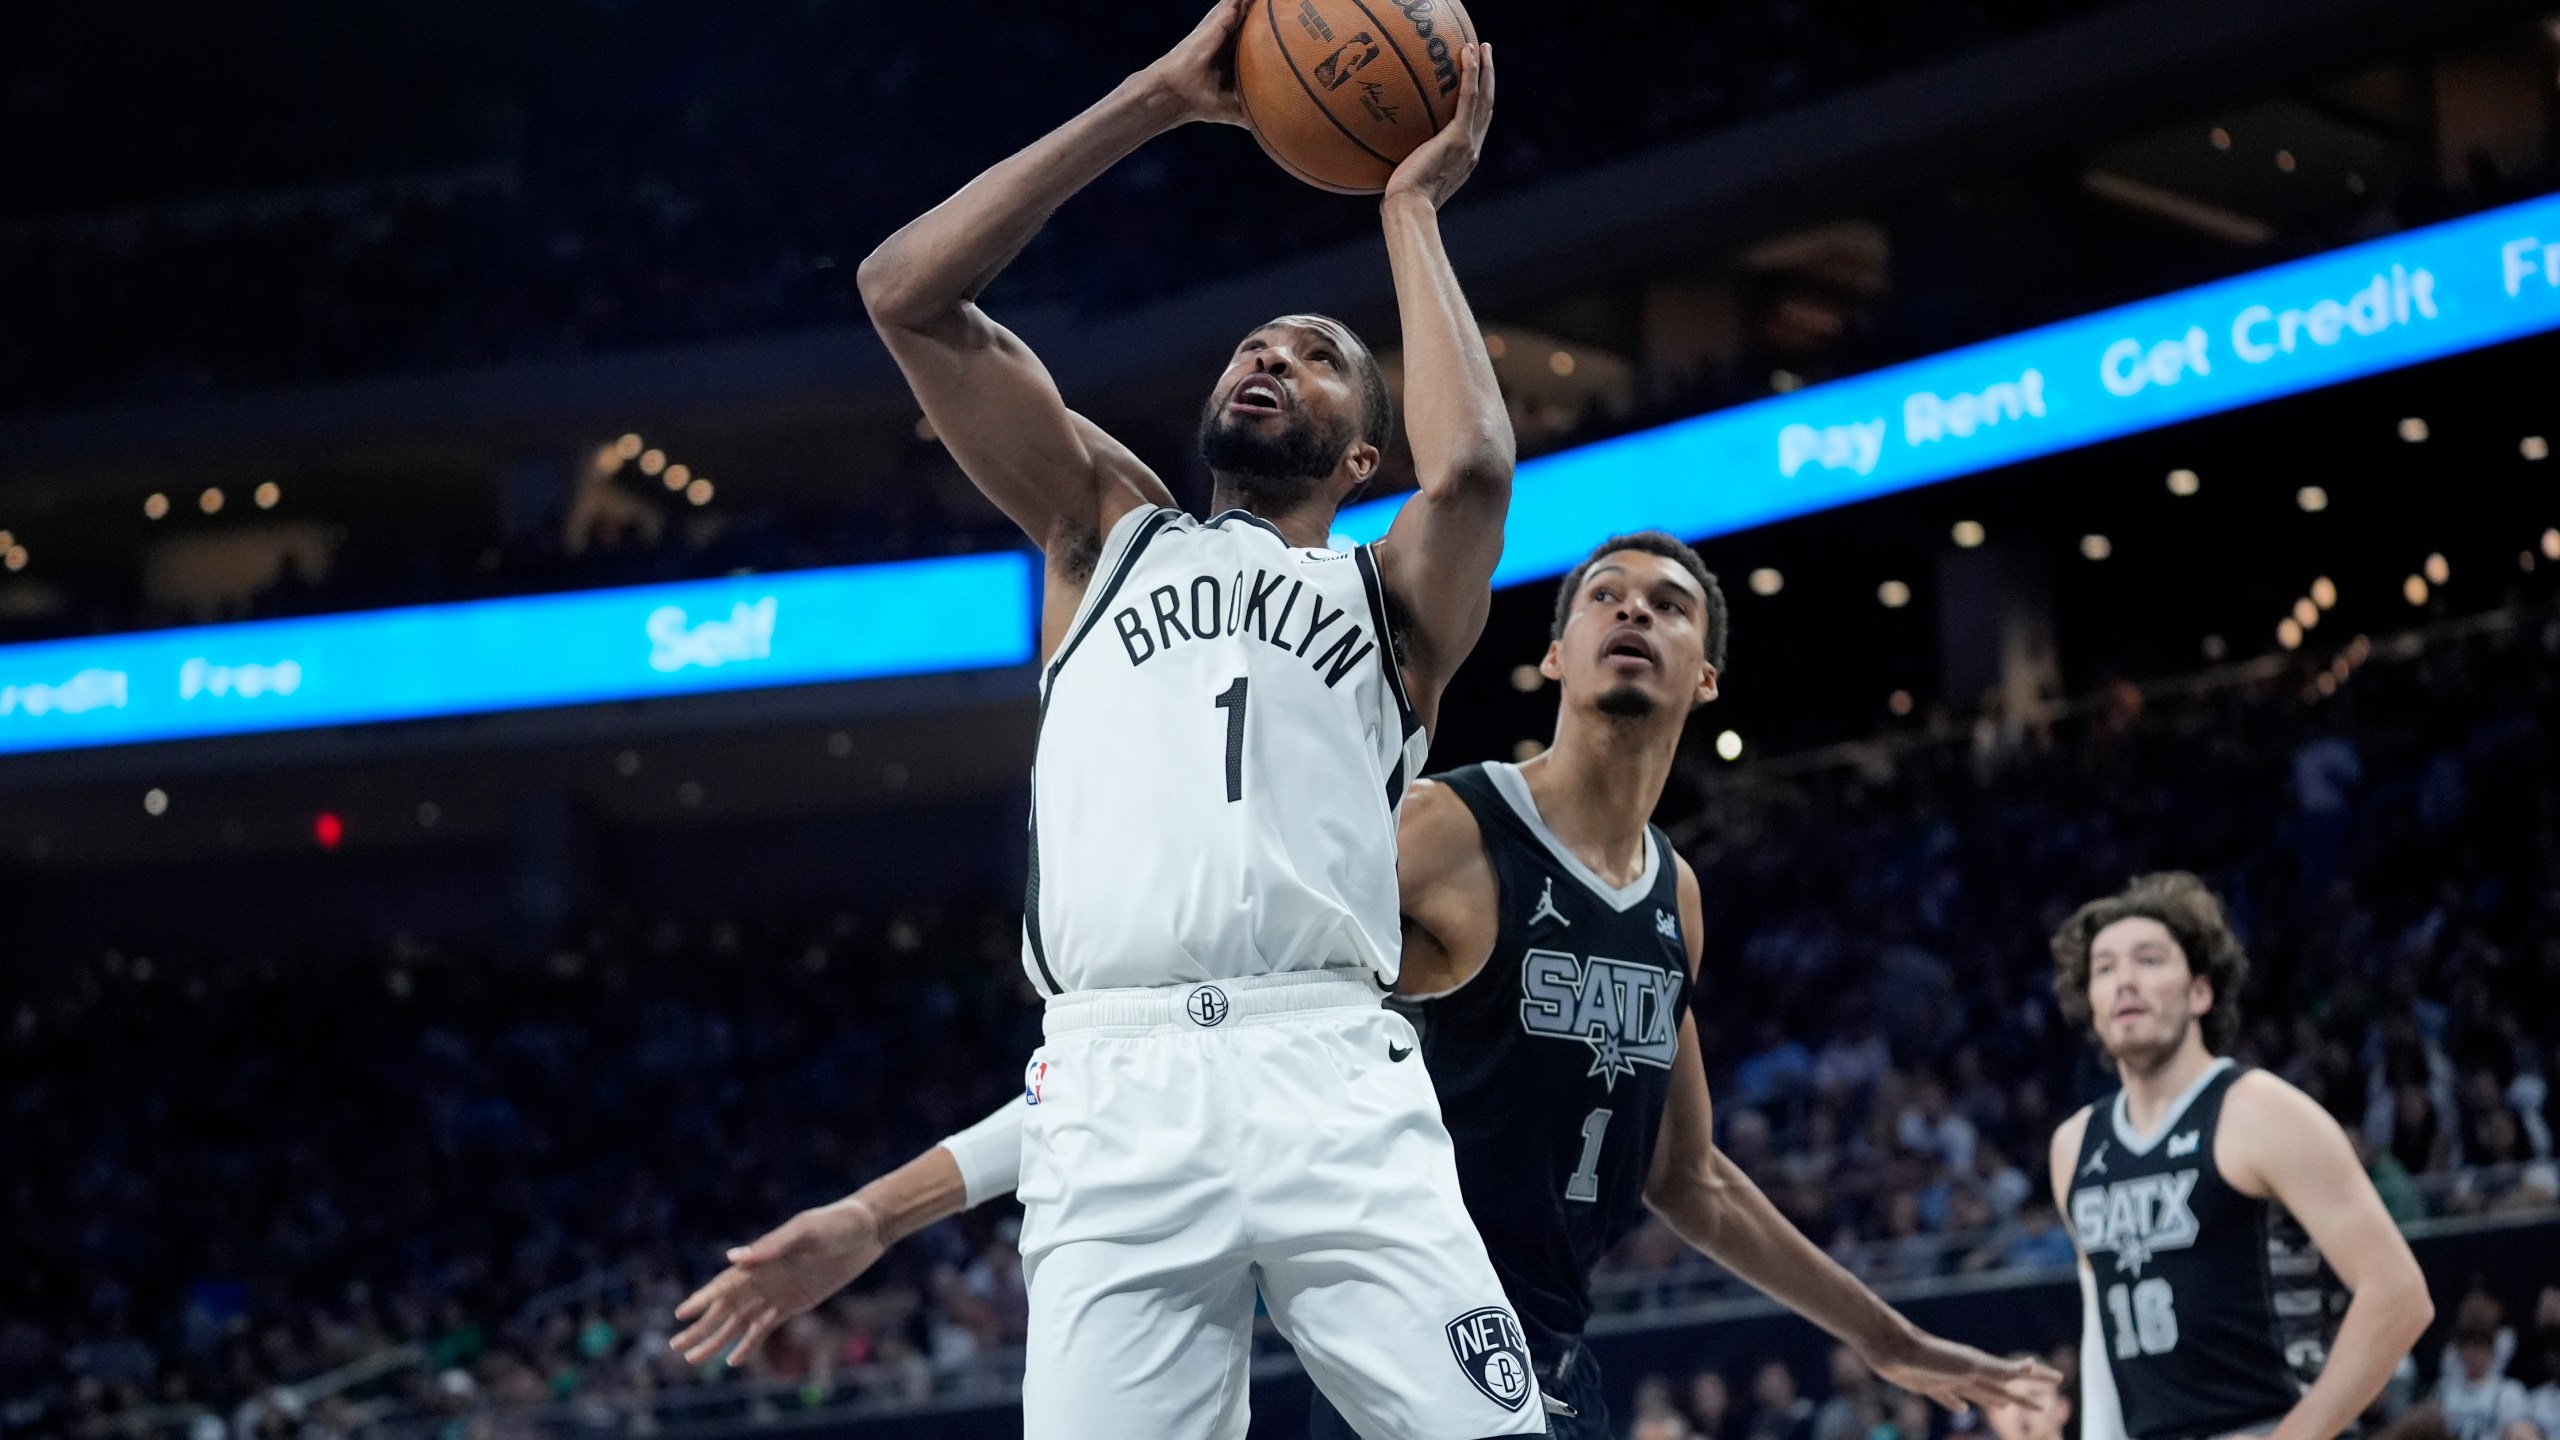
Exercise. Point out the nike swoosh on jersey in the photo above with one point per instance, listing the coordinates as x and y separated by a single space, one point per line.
1398 1054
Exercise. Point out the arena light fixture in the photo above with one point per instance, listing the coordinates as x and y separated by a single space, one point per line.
1968 534
2534 447
699 492
155 505
652 461
2183 483
2414 430
155 802
627 448
1526 679
2289 633
2551 544
1893 594
268 494
2312 498
210 502
2096 547
1560 362
1729 746
2306 614
15 557
1899 702
677 477
2437 569
2414 589
1766 581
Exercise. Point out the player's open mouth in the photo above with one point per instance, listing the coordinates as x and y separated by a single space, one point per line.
1258 395
1629 645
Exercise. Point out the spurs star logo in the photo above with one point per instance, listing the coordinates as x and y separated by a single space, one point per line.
2136 1219
1547 906
1627 1013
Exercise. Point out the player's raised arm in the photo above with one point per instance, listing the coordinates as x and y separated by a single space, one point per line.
1708 1201
1438 558
988 396
2286 1147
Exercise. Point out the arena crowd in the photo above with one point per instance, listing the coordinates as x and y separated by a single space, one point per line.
493 1180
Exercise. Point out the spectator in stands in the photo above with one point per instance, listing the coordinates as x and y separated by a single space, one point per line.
1711 1406
1779 1409
2478 1398
1851 1410
2542 1403
1656 1418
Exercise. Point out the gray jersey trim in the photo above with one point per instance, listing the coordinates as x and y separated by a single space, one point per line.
2121 1115
1514 786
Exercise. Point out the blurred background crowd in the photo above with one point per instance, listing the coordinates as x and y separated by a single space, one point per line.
493 1180
708 174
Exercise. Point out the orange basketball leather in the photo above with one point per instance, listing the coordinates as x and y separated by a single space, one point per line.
1338 91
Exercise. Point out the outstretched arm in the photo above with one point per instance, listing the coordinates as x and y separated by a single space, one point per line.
792 1268
2286 1147
1709 1202
1438 556
989 398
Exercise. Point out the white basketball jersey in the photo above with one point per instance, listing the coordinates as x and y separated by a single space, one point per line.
1224 740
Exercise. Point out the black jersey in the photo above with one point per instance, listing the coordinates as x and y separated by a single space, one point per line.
2215 1307
1553 1064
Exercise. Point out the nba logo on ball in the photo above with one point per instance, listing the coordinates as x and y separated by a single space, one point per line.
1495 1356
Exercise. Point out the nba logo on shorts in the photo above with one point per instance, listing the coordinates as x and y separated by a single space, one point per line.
1032 1080
1495 1356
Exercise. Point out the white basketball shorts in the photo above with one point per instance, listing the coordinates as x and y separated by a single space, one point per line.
1190 1145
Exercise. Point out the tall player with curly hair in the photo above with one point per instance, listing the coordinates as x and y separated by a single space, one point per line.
2218 1210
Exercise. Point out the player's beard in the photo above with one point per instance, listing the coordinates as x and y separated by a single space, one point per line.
2143 1056
1625 702
1269 473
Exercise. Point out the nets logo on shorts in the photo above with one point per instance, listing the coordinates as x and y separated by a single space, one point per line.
1495 1356
1206 1005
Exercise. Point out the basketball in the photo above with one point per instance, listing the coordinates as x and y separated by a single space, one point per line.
1338 91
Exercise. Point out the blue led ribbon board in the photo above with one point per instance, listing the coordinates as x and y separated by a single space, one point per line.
2374 307
637 643
2417 296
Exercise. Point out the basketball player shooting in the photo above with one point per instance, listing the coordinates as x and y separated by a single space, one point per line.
1230 715
1551 940
2215 1207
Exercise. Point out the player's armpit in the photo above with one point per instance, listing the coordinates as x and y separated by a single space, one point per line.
1446 889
